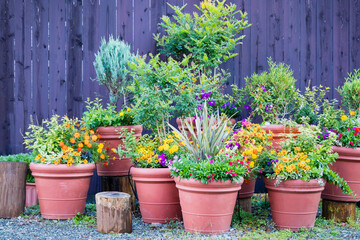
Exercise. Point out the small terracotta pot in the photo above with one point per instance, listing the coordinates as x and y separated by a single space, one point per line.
62 190
158 196
207 208
247 189
280 132
31 195
294 203
111 139
347 165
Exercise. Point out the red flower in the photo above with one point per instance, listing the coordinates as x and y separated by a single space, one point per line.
230 163
106 164
351 143
357 130
348 129
190 174
340 135
355 134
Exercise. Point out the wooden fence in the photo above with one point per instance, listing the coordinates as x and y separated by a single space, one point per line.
47 49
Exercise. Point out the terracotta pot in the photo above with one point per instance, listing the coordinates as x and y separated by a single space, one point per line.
31 195
207 208
347 165
110 138
158 196
280 132
247 189
62 190
294 203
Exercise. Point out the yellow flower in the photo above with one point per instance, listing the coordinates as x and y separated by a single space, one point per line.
343 117
101 145
307 167
128 109
251 165
161 148
166 147
301 164
297 149
85 161
253 156
352 113
121 114
114 150
173 149
99 150
290 168
38 157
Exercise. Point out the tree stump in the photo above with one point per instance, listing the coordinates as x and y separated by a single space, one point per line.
119 184
12 188
113 212
338 211
244 204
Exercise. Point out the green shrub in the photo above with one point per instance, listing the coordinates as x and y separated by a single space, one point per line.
350 91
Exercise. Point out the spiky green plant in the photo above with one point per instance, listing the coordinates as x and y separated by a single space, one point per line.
209 135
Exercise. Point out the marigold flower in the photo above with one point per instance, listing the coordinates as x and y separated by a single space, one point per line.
121 114
99 150
352 113
77 135
94 138
86 142
85 161
89 145
80 145
61 143
99 136
166 147
102 156
72 140
92 131
87 137
343 117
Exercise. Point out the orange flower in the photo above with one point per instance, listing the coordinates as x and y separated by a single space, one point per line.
79 149
72 140
67 124
64 147
82 129
92 132
102 156
94 137
99 136
89 145
77 135
86 137
86 142
80 145
61 143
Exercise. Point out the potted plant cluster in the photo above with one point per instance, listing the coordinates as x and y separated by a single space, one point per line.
297 173
65 150
112 70
208 175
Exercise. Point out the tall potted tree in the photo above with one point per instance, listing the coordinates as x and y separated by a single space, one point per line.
298 171
65 150
208 176
112 70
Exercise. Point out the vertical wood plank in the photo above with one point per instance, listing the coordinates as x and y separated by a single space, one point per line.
341 44
354 44
74 57
275 25
57 44
6 76
91 41
325 44
292 38
308 35
40 59
125 14
142 28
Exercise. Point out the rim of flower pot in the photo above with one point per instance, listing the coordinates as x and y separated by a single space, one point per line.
349 153
62 170
295 185
192 185
151 174
108 132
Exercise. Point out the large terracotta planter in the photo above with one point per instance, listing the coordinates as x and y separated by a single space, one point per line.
347 165
111 139
294 203
158 196
12 188
62 190
207 208
280 132
247 189
31 195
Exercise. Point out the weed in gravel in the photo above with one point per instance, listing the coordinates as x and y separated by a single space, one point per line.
31 211
84 219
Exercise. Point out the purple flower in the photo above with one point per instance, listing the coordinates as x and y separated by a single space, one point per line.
248 107
211 161
268 107
162 159
263 88
205 95
245 123
212 103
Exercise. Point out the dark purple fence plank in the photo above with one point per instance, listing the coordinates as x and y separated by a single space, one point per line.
57 55
74 57
341 51
325 44
308 23
6 77
354 34
125 25
40 59
142 29
292 38
275 15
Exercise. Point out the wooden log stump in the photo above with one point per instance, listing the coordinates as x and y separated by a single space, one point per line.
12 188
113 212
119 184
244 204
338 211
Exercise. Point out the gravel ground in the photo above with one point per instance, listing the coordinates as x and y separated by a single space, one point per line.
32 226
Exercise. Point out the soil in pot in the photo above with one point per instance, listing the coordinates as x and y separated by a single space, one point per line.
157 193
207 208
62 190
294 203
110 136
